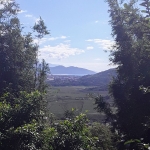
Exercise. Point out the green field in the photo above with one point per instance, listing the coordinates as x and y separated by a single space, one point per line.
79 97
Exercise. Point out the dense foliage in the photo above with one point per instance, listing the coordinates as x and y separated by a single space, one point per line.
18 55
76 134
131 53
19 125
22 82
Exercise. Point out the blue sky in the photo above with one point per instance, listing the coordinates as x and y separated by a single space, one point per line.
79 31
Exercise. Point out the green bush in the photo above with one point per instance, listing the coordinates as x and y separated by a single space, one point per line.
19 121
104 135
76 134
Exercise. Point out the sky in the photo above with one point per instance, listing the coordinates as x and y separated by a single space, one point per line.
79 31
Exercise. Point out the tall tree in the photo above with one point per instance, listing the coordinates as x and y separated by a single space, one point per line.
22 82
18 53
131 54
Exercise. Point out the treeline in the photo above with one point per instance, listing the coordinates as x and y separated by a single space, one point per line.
130 22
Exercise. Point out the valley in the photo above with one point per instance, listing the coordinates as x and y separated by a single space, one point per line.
66 92
62 98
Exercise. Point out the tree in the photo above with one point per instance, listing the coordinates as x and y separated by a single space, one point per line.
104 135
19 67
22 82
131 54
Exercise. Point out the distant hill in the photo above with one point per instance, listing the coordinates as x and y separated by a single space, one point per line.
101 79
59 70
52 65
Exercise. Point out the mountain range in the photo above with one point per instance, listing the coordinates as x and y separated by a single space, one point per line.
61 70
101 79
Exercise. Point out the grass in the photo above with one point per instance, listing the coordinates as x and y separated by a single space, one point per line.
65 98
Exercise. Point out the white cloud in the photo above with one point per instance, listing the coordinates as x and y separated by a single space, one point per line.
90 40
44 40
104 44
96 21
35 19
52 38
29 16
90 47
59 51
57 38
63 37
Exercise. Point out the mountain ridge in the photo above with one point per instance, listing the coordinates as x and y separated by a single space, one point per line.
70 70
101 79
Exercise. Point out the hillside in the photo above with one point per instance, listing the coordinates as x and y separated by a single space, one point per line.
101 79
59 70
